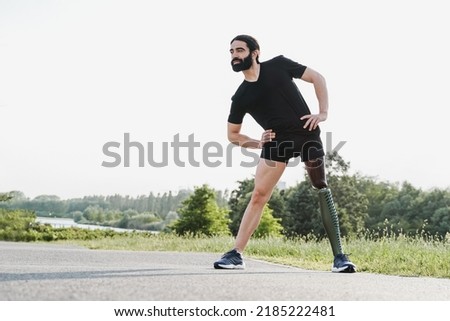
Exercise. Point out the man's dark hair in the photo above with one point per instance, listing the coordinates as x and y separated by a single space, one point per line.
251 42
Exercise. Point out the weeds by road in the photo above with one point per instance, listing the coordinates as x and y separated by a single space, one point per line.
400 255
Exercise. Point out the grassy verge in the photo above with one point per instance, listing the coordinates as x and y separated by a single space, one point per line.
393 256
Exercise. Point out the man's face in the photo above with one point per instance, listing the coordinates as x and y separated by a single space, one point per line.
241 57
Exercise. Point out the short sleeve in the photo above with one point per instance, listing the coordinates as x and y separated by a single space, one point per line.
237 114
294 69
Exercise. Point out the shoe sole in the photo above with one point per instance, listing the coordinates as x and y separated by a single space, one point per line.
229 267
344 269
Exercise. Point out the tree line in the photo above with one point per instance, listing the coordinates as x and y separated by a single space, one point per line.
144 212
365 206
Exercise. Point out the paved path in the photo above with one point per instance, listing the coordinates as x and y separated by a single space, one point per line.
34 271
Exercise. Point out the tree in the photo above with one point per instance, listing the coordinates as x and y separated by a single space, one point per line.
269 225
45 205
441 220
351 204
302 215
378 195
238 202
5 197
240 198
14 196
200 214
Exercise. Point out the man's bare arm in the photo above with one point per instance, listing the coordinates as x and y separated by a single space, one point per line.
320 88
235 137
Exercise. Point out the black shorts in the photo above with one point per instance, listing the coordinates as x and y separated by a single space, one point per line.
286 146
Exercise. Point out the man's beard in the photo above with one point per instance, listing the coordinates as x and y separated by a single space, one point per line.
244 64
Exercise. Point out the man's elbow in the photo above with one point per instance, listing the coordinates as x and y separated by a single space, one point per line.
233 133
233 140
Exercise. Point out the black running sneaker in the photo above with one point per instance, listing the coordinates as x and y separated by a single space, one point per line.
342 264
230 260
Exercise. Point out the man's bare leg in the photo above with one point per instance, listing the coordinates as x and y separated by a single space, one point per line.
267 176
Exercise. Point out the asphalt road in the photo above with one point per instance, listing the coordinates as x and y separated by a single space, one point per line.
47 272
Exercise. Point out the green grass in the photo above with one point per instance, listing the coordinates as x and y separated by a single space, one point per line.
404 256
419 255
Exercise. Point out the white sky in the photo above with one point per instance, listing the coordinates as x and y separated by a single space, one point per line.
75 75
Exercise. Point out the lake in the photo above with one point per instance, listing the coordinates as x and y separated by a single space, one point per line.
68 222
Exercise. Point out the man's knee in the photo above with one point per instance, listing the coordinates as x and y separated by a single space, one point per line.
259 197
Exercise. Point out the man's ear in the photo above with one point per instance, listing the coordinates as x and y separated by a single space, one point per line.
255 53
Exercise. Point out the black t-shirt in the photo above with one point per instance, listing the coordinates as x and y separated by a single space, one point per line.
274 100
